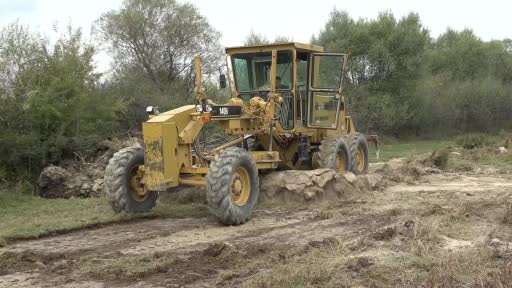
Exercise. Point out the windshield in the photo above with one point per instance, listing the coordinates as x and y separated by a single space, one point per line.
252 72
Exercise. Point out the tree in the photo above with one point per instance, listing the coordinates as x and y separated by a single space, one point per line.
19 49
161 37
255 39
387 57
52 104
153 43
259 39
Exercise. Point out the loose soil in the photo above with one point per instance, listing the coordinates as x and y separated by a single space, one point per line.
398 236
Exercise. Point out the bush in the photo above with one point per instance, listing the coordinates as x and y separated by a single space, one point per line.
472 140
54 108
440 158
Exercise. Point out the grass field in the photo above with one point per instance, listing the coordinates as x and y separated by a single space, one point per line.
26 216
407 149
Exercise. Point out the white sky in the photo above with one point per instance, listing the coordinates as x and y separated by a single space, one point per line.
297 19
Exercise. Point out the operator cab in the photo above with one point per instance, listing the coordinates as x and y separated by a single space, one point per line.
252 73
308 80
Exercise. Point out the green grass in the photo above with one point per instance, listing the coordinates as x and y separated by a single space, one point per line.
27 216
407 149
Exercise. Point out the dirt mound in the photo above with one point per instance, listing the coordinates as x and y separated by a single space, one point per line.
305 186
406 170
292 186
82 177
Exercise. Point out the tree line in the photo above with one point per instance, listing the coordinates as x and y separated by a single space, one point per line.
400 80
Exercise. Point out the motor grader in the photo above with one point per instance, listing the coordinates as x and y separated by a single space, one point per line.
287 112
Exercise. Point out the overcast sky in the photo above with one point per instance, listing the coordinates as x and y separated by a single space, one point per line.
296 19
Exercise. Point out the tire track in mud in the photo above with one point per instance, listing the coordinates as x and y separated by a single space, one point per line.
270 230
183 236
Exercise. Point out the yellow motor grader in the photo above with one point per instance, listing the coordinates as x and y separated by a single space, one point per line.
287 112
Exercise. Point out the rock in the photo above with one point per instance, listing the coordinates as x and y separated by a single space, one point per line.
96 188
502 150
351 178
417 171
502 249
52 182
455 154
306 186
215 249
81 177
370 181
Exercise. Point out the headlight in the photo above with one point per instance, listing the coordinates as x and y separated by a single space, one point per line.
152 110
203 108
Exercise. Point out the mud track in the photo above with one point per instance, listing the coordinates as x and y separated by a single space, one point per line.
202 253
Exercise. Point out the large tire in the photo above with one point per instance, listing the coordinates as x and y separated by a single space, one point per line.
358 154
117 182
232 186
334 154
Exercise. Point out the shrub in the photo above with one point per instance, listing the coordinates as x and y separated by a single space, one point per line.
471 141
440 157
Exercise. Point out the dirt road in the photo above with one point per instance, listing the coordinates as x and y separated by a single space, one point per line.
349 242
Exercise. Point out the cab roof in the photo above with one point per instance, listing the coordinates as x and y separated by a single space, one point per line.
277 46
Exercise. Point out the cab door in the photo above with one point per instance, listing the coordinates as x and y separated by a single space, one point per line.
325 87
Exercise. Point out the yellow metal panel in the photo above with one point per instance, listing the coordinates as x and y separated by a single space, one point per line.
190 132
193 180
171 170
153 155
279 46
186 108
199 83
266 165
265 156
184 156
266 159
194 170
160 171
181 116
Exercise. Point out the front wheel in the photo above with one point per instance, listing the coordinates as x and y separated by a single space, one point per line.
333 153
358 153
123 182
232 186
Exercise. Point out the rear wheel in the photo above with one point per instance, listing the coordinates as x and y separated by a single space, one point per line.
232 186
358 153
123 182
334 154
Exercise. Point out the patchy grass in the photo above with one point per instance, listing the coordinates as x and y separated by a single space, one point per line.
415 259
483 149
126 267
407 149
428 245
488 156
507 215
26 216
